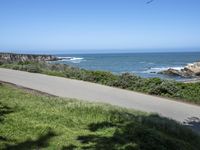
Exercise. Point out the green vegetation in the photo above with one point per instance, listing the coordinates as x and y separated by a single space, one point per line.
189 92
30 120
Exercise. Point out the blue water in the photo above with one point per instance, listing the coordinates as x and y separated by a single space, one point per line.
142 64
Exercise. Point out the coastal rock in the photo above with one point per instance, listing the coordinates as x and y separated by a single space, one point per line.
11 57
170 71
195 68
191 70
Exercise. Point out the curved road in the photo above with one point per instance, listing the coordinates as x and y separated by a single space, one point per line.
183 112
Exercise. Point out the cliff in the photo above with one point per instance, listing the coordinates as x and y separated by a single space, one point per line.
11 57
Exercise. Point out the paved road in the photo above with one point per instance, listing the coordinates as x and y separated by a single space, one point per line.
98 93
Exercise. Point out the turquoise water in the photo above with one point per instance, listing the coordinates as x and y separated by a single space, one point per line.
142 64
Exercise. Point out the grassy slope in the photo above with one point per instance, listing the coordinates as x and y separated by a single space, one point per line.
189 92
31 121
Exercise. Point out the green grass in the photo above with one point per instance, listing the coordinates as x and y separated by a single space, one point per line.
188 92
33 121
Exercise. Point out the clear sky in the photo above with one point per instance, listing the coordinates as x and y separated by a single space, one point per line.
95 25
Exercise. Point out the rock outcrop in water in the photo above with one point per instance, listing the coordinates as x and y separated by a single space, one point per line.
191 70
11 57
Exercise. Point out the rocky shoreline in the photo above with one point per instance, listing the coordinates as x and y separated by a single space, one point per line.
12 57
189 71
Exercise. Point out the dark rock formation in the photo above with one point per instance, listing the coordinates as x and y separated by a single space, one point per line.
11 57
191 70
170 71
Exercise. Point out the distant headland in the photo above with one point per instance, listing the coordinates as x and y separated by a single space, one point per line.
13 57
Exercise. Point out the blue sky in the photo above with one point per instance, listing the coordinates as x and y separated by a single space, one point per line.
99 25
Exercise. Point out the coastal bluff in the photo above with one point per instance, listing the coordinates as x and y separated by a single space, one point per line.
12 57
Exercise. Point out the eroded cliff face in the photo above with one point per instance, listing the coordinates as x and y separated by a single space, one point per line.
11 57
190 70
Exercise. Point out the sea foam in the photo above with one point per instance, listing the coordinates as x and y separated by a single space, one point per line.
72 59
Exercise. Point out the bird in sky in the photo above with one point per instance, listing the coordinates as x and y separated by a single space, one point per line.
150 1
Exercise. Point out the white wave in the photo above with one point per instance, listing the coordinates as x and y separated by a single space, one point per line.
72 59
76 58
64 57
158 69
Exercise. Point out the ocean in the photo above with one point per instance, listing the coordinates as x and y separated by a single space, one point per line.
142 64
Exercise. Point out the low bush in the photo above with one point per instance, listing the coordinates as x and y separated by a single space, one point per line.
164 88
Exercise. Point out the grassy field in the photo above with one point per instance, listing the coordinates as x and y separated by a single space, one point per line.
33 121
188 92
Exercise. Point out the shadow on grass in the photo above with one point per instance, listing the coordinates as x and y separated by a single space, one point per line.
40 142
143 132
4 110
69 147
194 123
96 126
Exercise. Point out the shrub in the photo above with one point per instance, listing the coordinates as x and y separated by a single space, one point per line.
32 68
126 81
165 88
24 63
